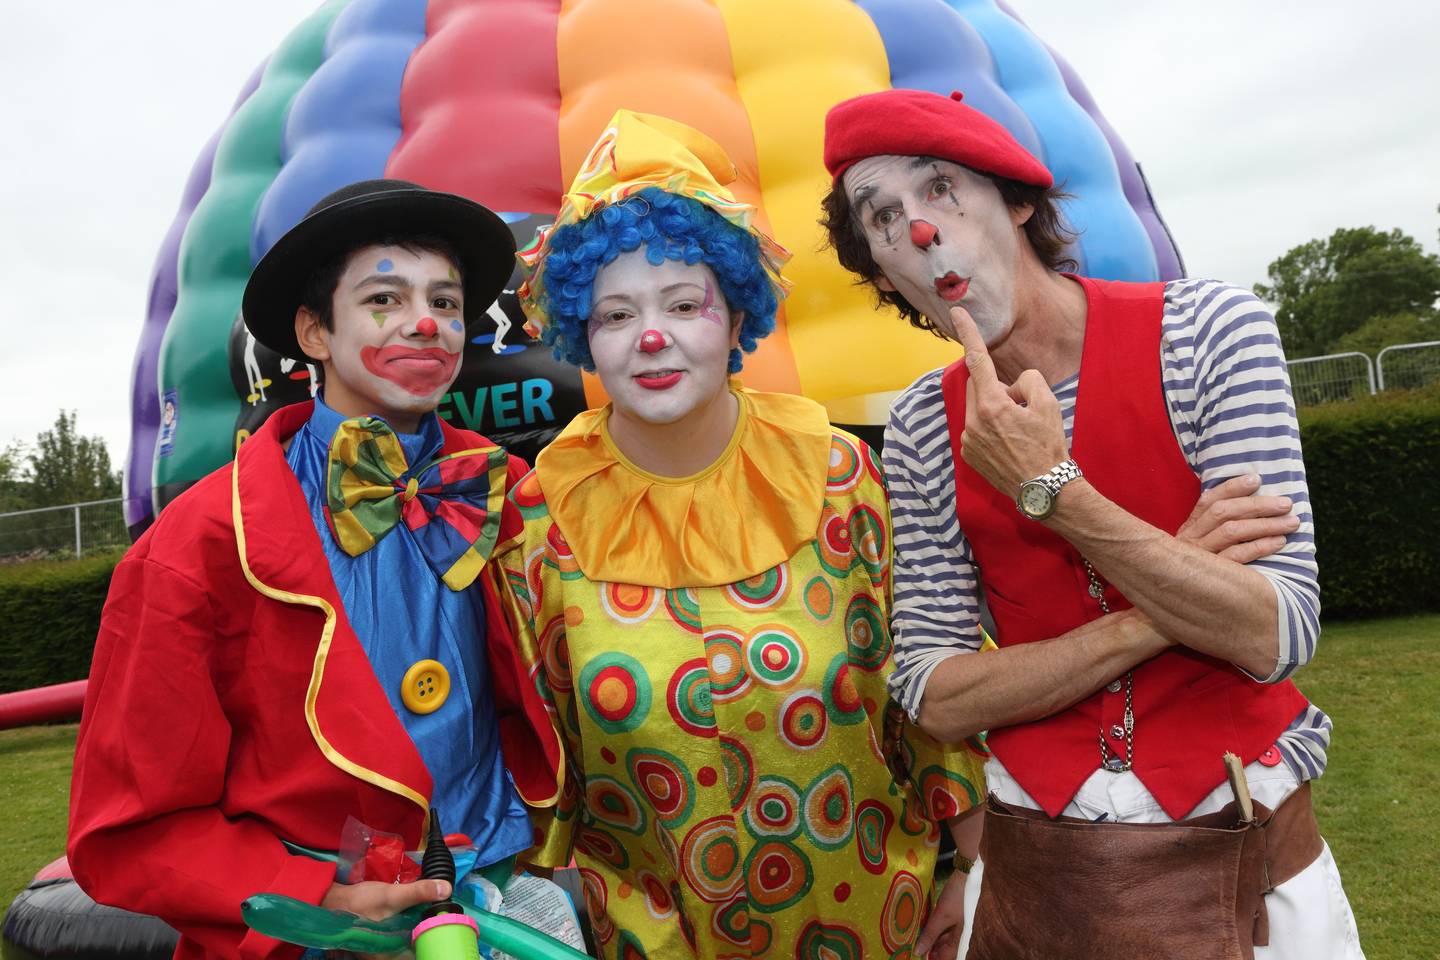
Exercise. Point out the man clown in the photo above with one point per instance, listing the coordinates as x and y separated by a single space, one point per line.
310 634
1146 555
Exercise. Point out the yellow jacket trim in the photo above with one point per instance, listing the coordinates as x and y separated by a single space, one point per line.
312 694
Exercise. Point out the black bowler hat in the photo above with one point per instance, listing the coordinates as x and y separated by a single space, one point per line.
363 213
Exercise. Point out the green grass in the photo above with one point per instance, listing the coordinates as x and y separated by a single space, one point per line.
1379 801
1378 804
34 798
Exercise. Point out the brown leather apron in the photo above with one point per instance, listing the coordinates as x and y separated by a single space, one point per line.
1193 890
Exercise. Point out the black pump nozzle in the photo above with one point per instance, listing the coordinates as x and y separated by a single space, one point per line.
438 863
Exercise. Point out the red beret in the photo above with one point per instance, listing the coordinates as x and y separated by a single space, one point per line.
917 123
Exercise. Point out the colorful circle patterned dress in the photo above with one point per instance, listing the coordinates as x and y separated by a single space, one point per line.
715 650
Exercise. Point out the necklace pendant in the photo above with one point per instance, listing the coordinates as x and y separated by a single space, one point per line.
1096 590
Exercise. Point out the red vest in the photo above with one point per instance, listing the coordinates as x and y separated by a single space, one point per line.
1189 708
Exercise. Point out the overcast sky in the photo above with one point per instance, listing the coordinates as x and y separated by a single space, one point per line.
1260 123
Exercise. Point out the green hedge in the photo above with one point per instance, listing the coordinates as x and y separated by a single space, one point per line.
49 614
1374 472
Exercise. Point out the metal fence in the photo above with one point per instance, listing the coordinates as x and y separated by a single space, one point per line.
1345 376
1337 376
1407 366
76 528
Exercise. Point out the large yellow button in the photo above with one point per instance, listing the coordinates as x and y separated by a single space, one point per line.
425 687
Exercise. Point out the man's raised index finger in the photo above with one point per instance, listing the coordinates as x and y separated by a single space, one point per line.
977 357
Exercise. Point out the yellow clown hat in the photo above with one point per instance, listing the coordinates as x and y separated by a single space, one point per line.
636 151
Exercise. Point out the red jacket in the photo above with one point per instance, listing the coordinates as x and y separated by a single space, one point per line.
231 705
1189 708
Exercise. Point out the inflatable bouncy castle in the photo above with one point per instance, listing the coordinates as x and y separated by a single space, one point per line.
500 100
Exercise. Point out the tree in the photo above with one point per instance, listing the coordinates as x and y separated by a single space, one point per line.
68 468
1377 333
1324 289
14 488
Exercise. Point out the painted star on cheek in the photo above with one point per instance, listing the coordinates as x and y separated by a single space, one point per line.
708 309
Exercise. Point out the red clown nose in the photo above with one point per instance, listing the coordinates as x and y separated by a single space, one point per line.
923 234
426 327
652 341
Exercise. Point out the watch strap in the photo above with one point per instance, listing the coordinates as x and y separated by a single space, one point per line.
1059 475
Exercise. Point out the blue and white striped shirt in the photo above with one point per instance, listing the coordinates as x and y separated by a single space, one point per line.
1228 395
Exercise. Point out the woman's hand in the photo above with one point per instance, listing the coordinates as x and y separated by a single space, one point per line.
940 937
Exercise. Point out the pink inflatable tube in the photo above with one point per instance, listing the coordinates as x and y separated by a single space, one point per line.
61 701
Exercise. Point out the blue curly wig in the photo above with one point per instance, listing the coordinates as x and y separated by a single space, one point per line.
668 226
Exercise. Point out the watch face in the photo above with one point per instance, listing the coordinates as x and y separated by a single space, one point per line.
1035 500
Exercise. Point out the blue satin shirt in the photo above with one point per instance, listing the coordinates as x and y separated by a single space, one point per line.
403 614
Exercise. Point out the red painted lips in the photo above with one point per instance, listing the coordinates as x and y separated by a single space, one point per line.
419 372
663 381
952 287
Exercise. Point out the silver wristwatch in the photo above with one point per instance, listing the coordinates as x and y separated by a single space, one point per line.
1037 497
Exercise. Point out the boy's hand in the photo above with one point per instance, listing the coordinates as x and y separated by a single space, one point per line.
380 901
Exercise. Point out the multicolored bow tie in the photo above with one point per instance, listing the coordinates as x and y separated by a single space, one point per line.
452 505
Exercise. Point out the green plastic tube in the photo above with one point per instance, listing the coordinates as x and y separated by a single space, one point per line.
449 937
295 921
518 940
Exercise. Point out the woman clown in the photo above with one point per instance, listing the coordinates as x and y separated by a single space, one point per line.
702 595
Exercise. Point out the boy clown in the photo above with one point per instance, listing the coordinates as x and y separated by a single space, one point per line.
310 633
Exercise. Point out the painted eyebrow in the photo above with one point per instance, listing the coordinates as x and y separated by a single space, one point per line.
444 285
682 283
388 280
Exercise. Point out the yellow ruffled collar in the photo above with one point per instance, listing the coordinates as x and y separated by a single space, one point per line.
750 510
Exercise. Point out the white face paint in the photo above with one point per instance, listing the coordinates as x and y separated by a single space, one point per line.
660 337
397 335
941 236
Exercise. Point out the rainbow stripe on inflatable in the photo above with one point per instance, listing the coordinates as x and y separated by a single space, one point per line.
500 100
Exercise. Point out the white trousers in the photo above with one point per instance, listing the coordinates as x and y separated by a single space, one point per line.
1310 917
